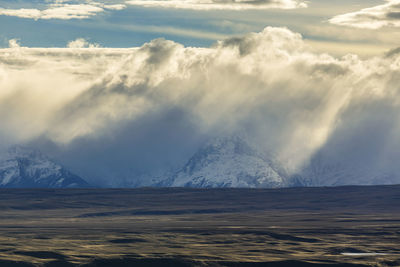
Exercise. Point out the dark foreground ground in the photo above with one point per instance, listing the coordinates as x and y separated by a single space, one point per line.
186 227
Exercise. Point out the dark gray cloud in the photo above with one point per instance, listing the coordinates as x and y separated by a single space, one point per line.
386 15
393 15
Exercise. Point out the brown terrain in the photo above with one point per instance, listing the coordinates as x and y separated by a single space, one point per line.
344 226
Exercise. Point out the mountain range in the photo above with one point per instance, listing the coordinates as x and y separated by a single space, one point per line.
219 163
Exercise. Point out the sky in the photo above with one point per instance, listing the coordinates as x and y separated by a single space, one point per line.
125 90
337 27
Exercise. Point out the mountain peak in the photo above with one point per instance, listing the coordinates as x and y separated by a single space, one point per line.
22 166
227 162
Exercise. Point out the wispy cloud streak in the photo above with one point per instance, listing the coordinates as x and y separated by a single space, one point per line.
62 10
220 5
386 15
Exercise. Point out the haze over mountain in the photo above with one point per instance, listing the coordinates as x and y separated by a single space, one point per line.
221 162
136 116
232 162
21 167
199 133
227 162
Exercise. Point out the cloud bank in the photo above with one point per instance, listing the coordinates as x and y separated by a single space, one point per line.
72 9
220 5
289 100
386 15
64 10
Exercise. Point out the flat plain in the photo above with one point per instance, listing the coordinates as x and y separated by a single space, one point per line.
343 226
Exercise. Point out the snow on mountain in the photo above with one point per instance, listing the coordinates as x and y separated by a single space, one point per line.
23 167
226 162
321 171
231 162
223 162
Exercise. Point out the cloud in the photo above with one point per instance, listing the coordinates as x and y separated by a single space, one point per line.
13 43
288 99
113 7
194 34
220 5
386 15
81 43
64 10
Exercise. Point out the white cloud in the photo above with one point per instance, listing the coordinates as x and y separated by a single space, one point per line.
81 43
289 97
13 43
64 10
386 15
114 7
220 5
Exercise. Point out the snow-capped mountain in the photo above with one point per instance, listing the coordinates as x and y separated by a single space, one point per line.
232 162
226 162
322 172
21 167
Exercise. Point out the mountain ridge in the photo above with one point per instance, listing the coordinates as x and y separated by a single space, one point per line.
226 162
23 167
